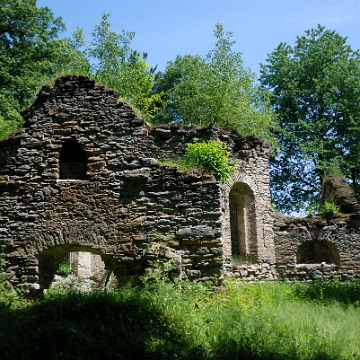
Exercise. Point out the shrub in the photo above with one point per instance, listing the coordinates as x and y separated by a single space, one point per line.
63 269
185 320
210 156
328 209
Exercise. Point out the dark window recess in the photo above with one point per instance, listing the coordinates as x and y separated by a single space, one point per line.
316 252
72 161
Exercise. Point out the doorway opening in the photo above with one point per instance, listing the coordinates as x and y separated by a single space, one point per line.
82 269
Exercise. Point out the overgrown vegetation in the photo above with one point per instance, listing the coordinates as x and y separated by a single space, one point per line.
328 209
63 269
215 89
209 156
295 321
314 86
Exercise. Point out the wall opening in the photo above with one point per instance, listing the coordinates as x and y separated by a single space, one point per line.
72 161
317 252
82 268
243 222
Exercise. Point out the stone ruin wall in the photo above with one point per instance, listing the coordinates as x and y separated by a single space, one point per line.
125 207
130 210
252 158
308 249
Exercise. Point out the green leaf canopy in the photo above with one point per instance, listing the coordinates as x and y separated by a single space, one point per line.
215 89
315 89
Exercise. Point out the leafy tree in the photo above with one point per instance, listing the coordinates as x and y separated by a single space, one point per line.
27 49
71 57
109 58
182 87
32 55
215 89
316 97
10 119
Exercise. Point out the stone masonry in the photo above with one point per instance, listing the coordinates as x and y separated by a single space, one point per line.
84 174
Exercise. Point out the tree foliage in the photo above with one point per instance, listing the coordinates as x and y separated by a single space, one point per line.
315 89
117 65
28 48
71 58
215 89
110 60
10 119
31 55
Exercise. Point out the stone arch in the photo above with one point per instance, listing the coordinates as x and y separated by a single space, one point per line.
50 259
243 221
317 252
73 161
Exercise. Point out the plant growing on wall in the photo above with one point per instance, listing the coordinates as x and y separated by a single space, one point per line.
328 209
210 156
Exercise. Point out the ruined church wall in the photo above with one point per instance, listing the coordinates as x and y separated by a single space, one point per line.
128 209
308 249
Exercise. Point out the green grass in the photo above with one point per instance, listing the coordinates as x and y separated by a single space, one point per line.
188 321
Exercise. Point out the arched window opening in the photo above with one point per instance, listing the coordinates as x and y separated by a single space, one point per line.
317 252
243 222
83 270
72 161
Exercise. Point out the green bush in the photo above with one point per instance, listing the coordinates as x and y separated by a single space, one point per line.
328 209
210 156
63 269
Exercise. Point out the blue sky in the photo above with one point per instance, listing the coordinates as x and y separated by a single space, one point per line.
166 28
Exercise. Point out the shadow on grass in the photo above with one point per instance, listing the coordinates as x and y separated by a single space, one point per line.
129 325
95 326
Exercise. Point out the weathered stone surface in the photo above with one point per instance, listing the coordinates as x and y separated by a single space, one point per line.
336 190
312 248
198 231
83 174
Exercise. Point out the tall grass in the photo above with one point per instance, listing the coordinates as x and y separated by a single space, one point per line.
189 321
